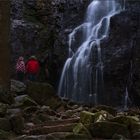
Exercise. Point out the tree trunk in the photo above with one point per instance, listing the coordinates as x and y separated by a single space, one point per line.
4 43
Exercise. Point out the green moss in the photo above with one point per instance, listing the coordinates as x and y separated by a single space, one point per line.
87 118
81 129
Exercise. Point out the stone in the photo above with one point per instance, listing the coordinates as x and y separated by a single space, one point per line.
118 137
87 118
24 101
17 87
6 96
136 135
43 94
109 109
50 129
5 124
14 111
126 120
4 135
3 109
17 123
58 135
134 127
77 137
108 129
81 129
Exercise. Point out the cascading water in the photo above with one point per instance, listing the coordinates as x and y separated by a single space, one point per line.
82 76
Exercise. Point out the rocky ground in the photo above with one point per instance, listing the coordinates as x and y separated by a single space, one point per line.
35 113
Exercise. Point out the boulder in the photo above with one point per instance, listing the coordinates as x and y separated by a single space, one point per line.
36 137
4 135
126 120
58 135
108 129
24 101
17 87
109 109
135 127
14 111
5 96
3 109
81 129
17 123
5 124
43 94
87 118
136 135
77 137
118 137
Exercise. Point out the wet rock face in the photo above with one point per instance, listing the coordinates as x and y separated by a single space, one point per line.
120 56
17 9
42 26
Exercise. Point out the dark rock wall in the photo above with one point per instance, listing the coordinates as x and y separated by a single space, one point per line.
42 26
120 56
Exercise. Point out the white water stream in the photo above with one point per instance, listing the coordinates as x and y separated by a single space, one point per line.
82 76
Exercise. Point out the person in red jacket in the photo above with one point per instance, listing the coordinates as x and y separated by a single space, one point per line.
32 68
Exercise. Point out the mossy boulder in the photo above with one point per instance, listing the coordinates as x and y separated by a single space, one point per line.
108 129
43 94
88 118
3 109
81 129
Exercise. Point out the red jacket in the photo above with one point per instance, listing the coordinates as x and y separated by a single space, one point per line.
32 66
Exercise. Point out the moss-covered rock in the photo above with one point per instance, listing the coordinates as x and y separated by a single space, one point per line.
108 129
88 118
81 129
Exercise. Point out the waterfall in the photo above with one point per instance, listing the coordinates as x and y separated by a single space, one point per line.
82 76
